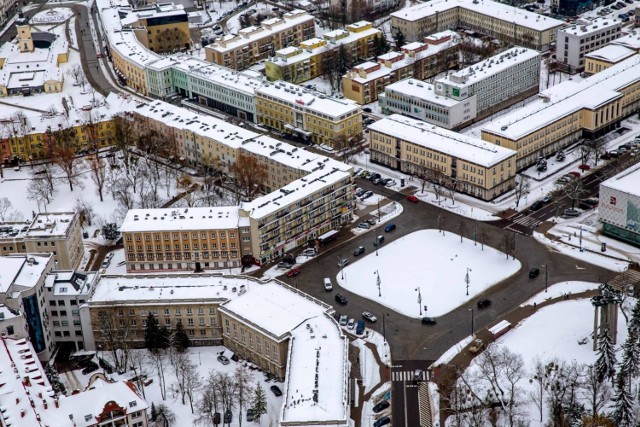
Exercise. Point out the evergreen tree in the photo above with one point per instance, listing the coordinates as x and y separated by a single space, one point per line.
154 412
110 231
180 338
259 402
164 337
151 333
606 363
400 40
380 44
634 321
622 413
630 355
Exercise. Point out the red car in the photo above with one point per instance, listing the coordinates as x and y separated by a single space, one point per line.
575 174
584 167
412 198
293 272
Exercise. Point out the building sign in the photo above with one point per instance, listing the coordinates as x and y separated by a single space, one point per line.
455 91
612 200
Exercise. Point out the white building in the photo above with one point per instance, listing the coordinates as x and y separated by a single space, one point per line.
415 98
619 209
497 82
574 42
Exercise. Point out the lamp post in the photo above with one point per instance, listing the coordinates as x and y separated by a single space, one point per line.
546 277
581 249
467 279
378 281
419 299
341 268
472 319
378 210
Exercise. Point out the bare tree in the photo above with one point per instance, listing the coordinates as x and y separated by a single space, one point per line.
423 174
461 230
62 151
159 359
97 172
508 245
596 393
442 222
138 363
597 147
563 390
209 400
115 333
540 378
522 189
85 211
249 176
574 191
192 382
171 40
438 182
38 191
77 74
483 238
165 414
121 191
226 391
123 135
7 213
243 388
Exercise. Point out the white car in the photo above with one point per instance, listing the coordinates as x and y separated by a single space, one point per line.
351 324
367 315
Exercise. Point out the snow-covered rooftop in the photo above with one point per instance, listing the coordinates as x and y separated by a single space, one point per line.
592 26
69 282
565 98
494 9
162 10
421 90
490 66
51 224
626 181
175 219
460 146
611 53
21 272
309 100
631 40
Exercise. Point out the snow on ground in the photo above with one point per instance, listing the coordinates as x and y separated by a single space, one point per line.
369 369
233 23
368 416
559 289
439 276
456 206
205 360
117 265
453 351
52 16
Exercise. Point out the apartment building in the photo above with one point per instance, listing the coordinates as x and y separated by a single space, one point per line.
365 82
352 10
193 239
518 66
221 310
578 40
468 164
619 208
511 24
253 44
28 138
569 111
418 99
28 399
308 115
58 233
65 292
161 27
23 301
605 57
310 59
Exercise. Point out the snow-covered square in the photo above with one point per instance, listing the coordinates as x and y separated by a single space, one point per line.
431 264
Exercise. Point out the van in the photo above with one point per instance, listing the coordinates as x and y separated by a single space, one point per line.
327 284
360 327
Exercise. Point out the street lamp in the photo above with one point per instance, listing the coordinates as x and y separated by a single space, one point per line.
472 319
467 280
378 281
546 277
341 267
419 299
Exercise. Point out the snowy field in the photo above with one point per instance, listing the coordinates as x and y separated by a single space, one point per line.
432 262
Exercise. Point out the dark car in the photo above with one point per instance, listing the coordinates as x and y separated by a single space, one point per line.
358 251
429 321
389 227
228 416
367 195
534 272
537 205
605 156
251 415
366 109
381 406
341 299
586 206
285 265
92 367
484 303
382 422
276 390
374 176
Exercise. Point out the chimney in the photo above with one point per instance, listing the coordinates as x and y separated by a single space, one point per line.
22 413
46 406
55 402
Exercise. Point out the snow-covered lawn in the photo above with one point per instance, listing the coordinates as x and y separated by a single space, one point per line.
557 290
369 369
433 262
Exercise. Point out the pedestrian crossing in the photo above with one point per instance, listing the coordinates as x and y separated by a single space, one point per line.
527 221
409 376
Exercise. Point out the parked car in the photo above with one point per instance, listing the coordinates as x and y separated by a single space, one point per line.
586 206
328 286
366 109
309 252
389 227
605 156
106 262
91 367
429 321
360 192
534 272
223 359
343 320
228 416
293 273
251 415
537 205
371 221
340 299
367 315
343 262
571 212
484 303
285 265
412 198
573 174
476 346
276 390
390 183
382 422
562 180
377 181
614 154
358 251
541 167
367 195
379 240
381 406
584 167
374 176
364 225
351 324
360 327
547 199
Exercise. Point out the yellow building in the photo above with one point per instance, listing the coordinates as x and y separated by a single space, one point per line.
299 64
605 57
468 164
162 28
513 25
308 115
568 112
253 44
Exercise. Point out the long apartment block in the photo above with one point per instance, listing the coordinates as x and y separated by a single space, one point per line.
255 43
468 164
575 42
511 24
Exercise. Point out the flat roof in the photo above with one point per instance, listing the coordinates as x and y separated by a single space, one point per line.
51 224
490 8
460 146
421 90
565 98
611 53
175 219
631 40
587 27
489 67
626 181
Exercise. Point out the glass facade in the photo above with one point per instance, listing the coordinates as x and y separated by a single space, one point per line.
36 333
